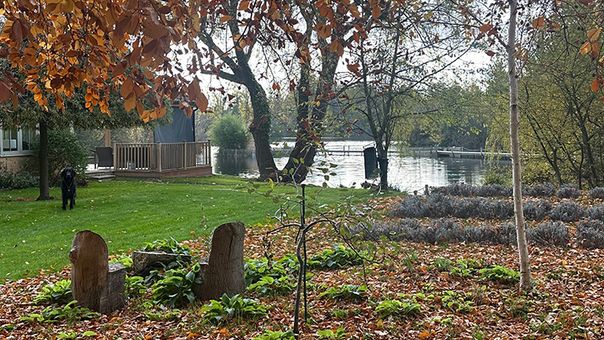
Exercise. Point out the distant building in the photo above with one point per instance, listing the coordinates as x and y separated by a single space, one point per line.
15 148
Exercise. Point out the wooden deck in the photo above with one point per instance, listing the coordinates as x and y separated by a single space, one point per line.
162 160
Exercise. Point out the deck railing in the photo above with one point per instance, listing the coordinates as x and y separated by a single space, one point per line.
159 157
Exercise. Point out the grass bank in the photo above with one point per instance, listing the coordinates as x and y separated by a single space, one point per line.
38 235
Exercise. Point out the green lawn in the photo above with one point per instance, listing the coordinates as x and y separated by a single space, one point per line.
37 235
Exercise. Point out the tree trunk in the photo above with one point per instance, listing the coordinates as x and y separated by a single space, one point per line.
43 159
310 128
260 129
383 163
224 272
525 271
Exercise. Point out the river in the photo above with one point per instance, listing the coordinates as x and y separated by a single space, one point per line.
406 172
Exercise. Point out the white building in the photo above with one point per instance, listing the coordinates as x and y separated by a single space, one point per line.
15 147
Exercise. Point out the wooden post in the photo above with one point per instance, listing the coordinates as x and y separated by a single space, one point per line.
159 157
107 138
184 155
115 158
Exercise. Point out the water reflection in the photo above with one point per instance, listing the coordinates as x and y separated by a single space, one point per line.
234 162
407 173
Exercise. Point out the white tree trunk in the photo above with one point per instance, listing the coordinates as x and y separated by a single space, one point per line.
525 270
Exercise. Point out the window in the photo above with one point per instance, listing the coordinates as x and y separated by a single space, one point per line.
16 141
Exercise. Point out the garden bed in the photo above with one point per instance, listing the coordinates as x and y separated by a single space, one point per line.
442 291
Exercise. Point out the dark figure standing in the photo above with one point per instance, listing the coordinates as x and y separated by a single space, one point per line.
68 187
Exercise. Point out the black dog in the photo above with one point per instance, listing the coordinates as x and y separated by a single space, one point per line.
68 187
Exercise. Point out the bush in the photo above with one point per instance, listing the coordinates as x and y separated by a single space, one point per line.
597 192
20 180
495 209
596 212
539 190
411 206
345 292
568 191
549 233
494 190
388 308
229 132
235 307
466 190
500 274
337 257
567 212
64 149
59 293
590 234
499 176
537 210
176 288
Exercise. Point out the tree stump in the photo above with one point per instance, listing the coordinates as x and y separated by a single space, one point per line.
224 271
144 261
94 284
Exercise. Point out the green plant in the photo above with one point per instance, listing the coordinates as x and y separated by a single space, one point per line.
276 335
457 302
166 245
70 313
345 292
256 269
176 288
135 286
163 315
339 313
339 333
410 259
229 132
124 260
442 264
497 175
58 292
337 257
388 308
500 274
76 335
64 149
235 307
518 306
271 286
466 267
20 180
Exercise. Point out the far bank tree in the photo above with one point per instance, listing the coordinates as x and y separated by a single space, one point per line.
396 61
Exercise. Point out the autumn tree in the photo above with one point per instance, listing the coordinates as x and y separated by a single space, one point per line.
60 46
230 49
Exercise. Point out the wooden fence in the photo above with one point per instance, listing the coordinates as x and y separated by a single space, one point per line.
161 157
